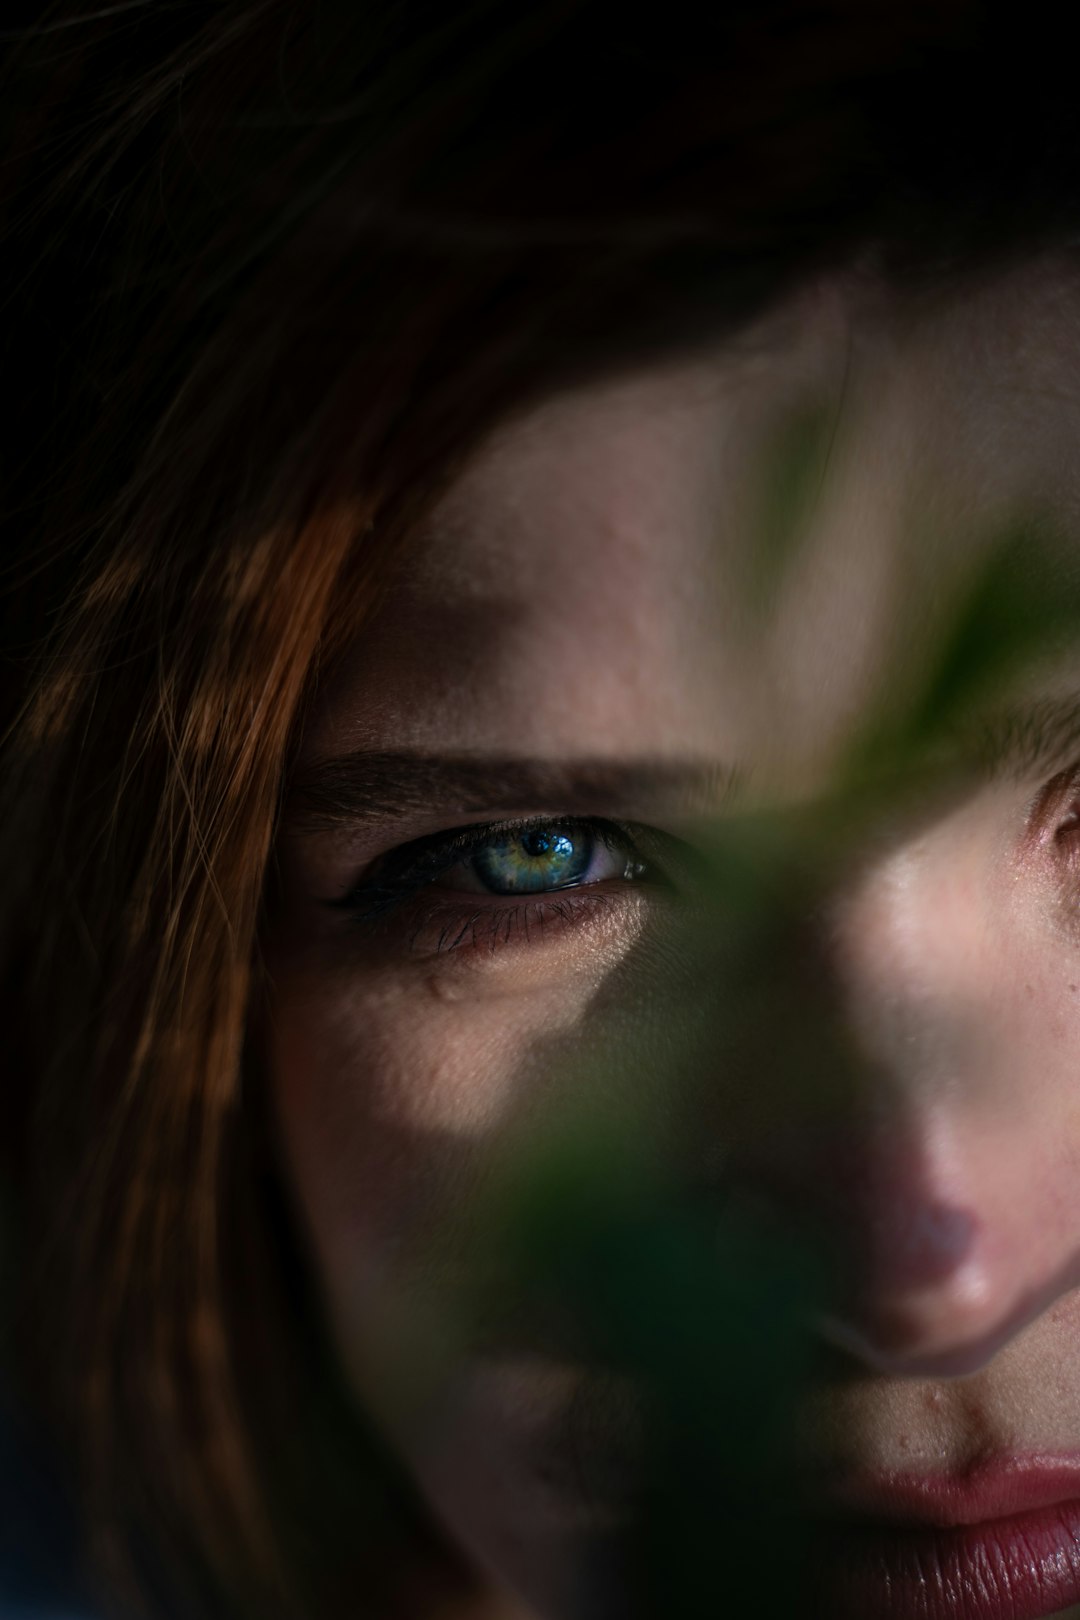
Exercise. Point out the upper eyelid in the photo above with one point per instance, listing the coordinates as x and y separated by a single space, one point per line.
467 839
462 840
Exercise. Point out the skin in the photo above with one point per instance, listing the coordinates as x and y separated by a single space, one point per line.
586 592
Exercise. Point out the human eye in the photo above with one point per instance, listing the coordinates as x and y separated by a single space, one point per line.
500 883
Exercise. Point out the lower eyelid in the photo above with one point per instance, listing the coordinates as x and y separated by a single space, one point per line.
512 922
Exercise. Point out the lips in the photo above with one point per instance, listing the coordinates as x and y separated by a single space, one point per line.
1002 1543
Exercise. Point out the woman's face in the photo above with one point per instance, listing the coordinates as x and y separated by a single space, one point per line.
656 632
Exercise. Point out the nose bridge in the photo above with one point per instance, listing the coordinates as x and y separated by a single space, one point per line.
935 1197
907 948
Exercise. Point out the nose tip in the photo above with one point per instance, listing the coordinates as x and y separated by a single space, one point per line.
934 1262
923 1295
920 1298
913 1250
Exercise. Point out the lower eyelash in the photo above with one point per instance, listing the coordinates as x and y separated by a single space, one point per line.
443 928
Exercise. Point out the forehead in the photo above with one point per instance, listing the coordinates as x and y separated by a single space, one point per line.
729 548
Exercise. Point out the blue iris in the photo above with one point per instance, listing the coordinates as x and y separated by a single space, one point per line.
532 861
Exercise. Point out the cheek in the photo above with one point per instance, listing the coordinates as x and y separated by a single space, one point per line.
390 1089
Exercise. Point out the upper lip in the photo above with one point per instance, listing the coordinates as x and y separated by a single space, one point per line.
996 1488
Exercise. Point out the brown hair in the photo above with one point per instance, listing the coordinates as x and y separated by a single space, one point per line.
274 269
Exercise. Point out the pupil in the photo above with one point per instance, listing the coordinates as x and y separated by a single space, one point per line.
538 843
532 861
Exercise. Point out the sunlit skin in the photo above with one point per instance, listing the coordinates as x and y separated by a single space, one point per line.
586 595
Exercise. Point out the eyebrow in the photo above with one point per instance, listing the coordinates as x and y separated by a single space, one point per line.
362 787
1027 737
367 787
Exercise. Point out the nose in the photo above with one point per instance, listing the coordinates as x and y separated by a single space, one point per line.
938 1165
943 1245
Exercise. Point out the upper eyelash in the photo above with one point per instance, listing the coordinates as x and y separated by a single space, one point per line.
372 897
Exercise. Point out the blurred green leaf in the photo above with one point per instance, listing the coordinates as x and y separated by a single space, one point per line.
792 477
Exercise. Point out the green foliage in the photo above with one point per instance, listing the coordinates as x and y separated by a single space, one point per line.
1014 611
700 1305
793 475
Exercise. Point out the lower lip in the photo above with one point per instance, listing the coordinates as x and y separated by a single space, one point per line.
1024 1567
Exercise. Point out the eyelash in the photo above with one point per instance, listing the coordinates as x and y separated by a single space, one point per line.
387 893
